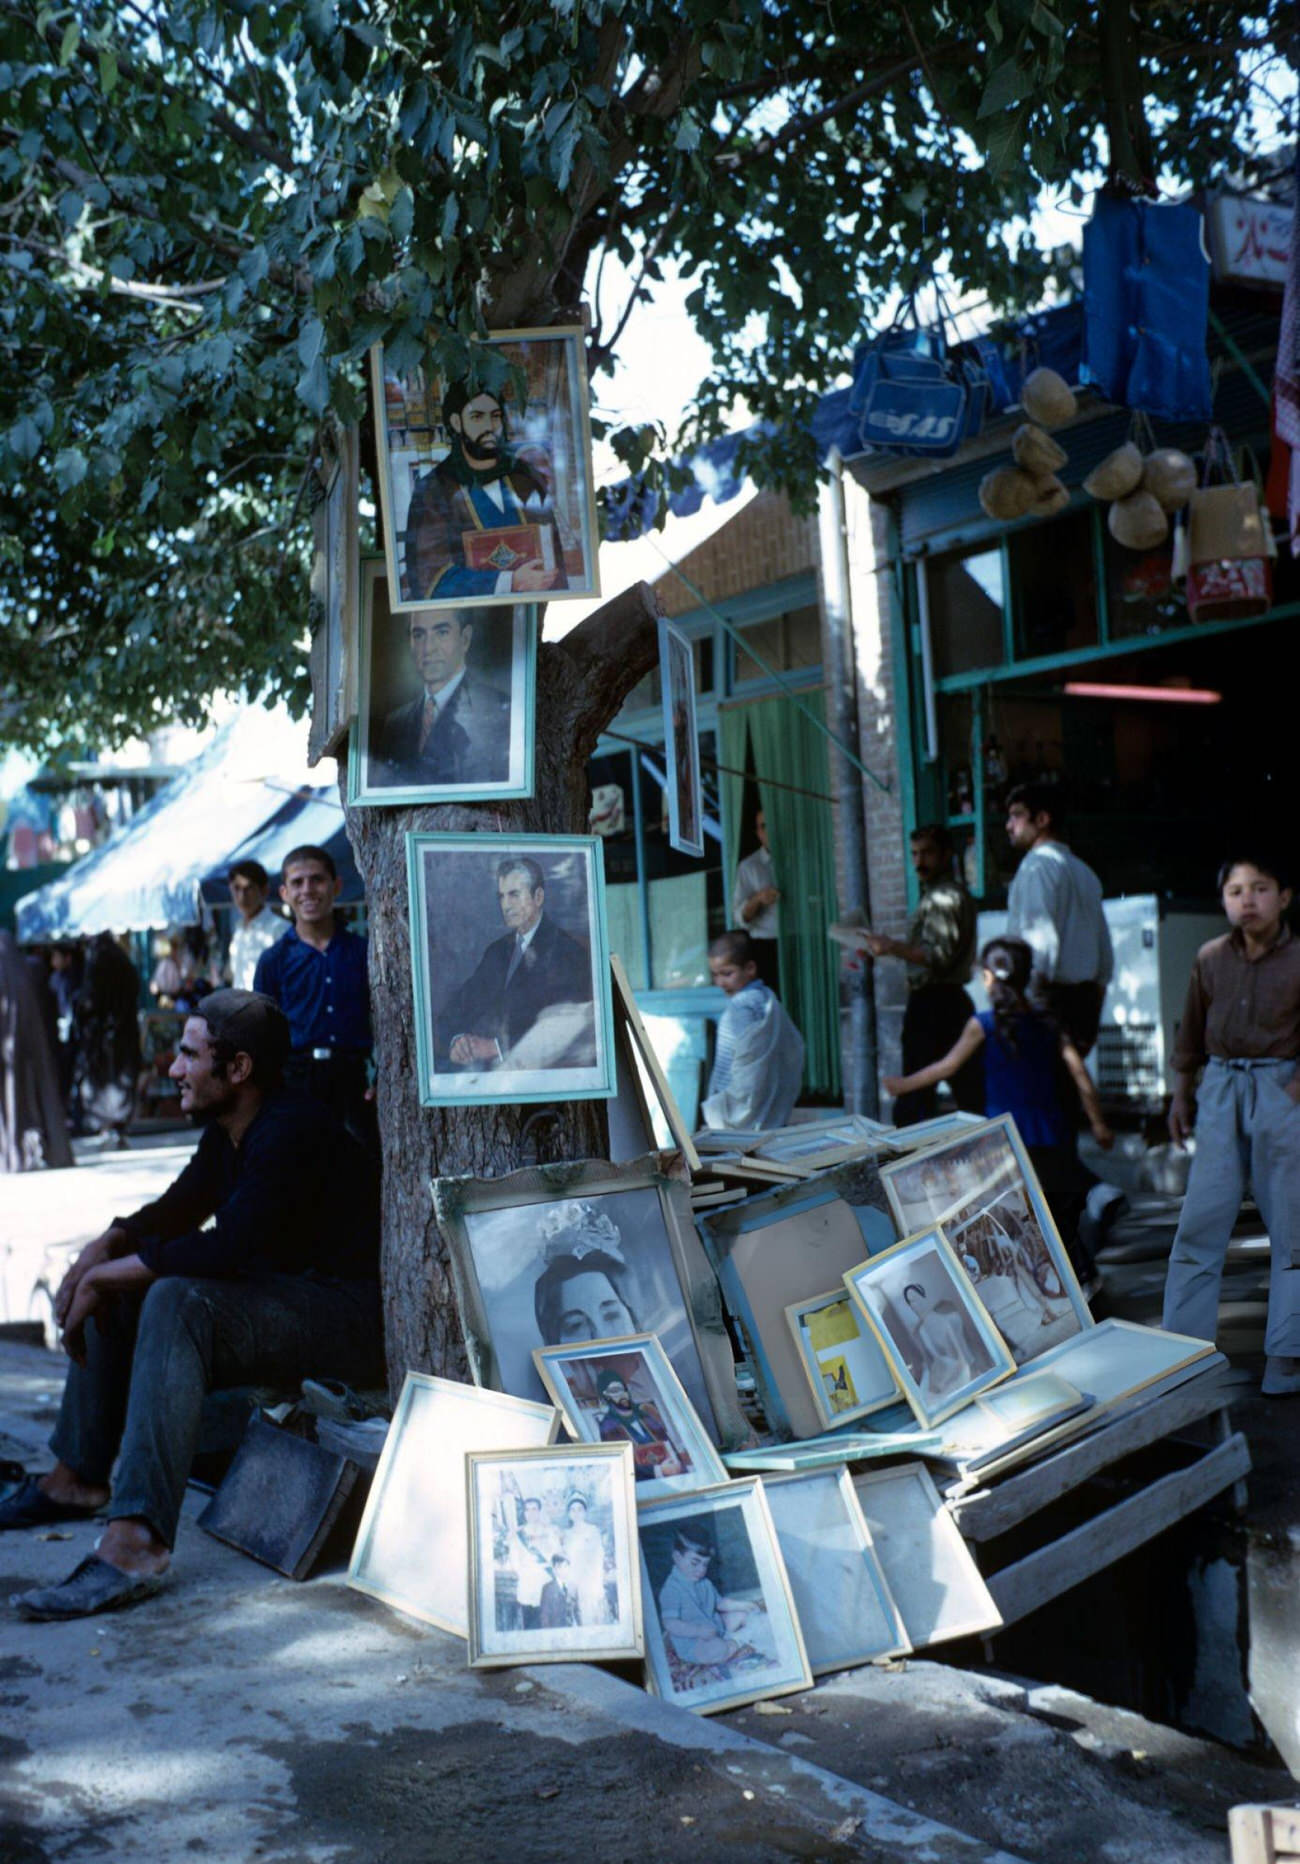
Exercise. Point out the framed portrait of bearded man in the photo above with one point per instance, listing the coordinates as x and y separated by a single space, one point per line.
485 477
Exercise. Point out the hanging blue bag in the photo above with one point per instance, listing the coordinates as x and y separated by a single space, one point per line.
907 396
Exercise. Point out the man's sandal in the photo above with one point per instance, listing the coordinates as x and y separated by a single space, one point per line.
94 1586
29 1506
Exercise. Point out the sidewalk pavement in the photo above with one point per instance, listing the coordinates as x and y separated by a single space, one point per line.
240 1716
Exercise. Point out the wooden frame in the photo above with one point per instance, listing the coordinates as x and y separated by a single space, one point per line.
459 902
1264 1834
923 1309
505 1492
553 522
672 1453
412 1546
512 1239
681 741
499 677
334 600
846 1611
930 1571
648 1067
982 1188
733 1527
842 1358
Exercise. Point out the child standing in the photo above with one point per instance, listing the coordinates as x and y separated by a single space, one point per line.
1026 1058
1241 1021
758 1062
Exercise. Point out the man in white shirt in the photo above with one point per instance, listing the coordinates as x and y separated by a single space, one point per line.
755 906
257 927
1055 905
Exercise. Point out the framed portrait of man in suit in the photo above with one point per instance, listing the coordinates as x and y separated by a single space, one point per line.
445 701
511 968
485 480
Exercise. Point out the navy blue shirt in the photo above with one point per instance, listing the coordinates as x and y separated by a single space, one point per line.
324 994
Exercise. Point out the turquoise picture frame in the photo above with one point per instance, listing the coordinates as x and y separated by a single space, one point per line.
547 1047
499 678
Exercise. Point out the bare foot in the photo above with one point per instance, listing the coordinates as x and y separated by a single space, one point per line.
62 1484
132 1547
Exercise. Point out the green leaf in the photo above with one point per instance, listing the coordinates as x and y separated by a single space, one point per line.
24 439
310 340
70 41
1009 83
71 207
70 468
313 386
1004 146
687 136
108 71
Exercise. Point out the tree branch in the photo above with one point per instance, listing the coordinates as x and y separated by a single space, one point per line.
603 659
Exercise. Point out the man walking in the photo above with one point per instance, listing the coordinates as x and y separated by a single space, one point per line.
159 1309
257 927
1054 905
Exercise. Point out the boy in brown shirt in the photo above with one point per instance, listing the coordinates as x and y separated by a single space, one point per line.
1242 1022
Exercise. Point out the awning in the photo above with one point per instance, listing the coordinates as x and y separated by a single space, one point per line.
249 794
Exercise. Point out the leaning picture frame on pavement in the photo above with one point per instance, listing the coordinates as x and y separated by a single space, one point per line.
553 1570
334 599
929 1569
931 1325
651 1083
846 1611
442 541
553 1256
981 1186
681 741
505 1012
481 748
849 1373
671 1451
721 1626
413 1542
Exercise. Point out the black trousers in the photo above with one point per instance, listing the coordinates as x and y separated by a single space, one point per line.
1076 1009
338 1082
935 1016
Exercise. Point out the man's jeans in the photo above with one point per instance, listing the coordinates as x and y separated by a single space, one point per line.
149 1365
1247 1131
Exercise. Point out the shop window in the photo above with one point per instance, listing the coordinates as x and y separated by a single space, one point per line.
788 643
1054 594
1139 596
966 596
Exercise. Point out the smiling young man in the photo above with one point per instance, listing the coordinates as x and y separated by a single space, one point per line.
1241 1022
160 1309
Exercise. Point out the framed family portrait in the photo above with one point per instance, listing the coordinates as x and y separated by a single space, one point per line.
926 1315
846 1612
553 1569
849 1373
564 1255
511 973
721 1627
981 1187
412 1548
485 480
625 1391
681 741
929 1569
445 701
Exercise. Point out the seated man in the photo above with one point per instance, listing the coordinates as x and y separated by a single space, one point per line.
158 1311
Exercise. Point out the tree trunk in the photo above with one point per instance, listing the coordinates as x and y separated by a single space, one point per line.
581 683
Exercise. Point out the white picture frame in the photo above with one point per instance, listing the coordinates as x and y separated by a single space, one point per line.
930 1571
846 1611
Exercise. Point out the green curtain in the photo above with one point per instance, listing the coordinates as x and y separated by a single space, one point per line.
786 747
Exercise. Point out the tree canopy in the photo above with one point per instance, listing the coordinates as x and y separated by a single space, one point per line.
209 212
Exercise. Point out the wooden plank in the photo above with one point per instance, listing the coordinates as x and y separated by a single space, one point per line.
1076 1556
993 1511
1250 1833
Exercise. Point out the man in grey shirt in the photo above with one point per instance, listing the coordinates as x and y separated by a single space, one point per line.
1055 905
755 906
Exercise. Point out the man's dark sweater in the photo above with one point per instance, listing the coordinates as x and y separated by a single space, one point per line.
297 1196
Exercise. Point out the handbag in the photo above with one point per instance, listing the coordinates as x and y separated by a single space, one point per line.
1229 567
911 398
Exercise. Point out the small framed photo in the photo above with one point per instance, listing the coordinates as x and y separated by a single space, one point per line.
846 1611
511 973
930 1571
553 1570
933 1326
681 741
412 1546
720 1621
485 480
562 1256
445 701
849 1373
980 1185
625 1391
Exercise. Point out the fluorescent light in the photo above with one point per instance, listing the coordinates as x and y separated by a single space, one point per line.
1168 695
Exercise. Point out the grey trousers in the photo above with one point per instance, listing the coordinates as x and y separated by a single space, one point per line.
1247 1133
150 1363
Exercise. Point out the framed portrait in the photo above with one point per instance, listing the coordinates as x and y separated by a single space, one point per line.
821 1143
788 1245
645 1084
412 1548
445 701
334 599
681 741
846 1613
485 482
625 1391
511 973
553 1569
932 1325
981 1187
930 1571
563 1255
1117 1359
721 1627
849 1373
